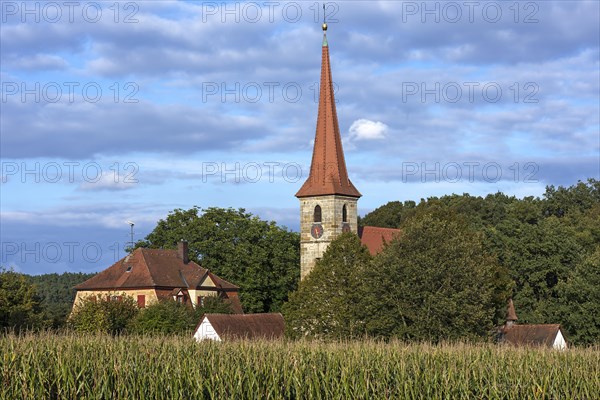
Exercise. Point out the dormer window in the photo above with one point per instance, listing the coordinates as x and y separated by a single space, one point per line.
129 268
317 214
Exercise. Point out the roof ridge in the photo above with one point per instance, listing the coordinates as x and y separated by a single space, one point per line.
147 268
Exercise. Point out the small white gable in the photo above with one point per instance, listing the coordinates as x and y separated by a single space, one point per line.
559 342
205 331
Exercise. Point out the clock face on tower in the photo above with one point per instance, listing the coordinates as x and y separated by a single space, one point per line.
316 231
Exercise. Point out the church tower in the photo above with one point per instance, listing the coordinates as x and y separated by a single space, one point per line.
328 199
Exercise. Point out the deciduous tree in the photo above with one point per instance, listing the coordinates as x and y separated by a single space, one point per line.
436 282
329 301
103 314
19 305
259 256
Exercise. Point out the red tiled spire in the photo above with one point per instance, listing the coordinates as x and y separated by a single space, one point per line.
328 174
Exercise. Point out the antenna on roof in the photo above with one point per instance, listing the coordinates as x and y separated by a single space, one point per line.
131 224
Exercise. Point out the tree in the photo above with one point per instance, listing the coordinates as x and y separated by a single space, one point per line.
164 317
434 283
103 314
579 197
580 301
260 257
19 305
212 305
56 293
328 301
389 215
539 256
540 243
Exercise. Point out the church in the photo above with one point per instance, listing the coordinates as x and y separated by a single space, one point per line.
328 208
328 198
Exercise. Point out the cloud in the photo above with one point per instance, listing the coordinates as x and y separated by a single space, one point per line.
109 181
364 129
41 62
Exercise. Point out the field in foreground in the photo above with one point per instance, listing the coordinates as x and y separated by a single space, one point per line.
51 366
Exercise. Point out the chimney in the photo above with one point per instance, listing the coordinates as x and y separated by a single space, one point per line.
182 251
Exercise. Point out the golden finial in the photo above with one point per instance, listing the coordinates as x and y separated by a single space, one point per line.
324 24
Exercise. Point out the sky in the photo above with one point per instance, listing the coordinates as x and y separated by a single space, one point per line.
124 111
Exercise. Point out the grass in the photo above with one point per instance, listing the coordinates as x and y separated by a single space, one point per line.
51 366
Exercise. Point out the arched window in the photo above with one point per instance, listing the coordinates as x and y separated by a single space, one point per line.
317 214
344 214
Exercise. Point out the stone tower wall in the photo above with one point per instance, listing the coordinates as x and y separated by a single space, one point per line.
331 219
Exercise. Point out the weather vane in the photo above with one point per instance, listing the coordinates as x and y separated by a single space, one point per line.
324 23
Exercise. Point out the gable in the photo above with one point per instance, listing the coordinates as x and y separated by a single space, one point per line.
245 326
206 331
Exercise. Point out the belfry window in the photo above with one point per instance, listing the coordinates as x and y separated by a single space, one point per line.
344 214
317 214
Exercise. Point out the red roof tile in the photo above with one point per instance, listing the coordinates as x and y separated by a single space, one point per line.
149 268
246 326
374 237
328 174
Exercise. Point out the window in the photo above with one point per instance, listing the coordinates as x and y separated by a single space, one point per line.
141 301
180 298
317 214
200 301
129 268
344 214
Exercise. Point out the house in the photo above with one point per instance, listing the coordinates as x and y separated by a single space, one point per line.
542 335
150 275
240 326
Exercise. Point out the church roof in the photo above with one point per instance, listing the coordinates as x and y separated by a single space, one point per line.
328 174
151 268
374 237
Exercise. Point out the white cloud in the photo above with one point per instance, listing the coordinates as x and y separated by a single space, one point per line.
364 129
109 181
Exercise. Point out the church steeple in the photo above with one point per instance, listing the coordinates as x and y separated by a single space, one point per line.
328 174
328 200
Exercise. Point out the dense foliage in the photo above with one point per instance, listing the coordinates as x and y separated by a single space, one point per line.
121 315
170 317
260 257
19 305
436 283
103 315
329 301
56 294
548 246
103 367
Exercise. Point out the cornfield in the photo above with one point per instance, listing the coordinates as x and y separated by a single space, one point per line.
52 366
